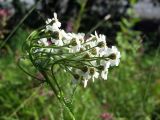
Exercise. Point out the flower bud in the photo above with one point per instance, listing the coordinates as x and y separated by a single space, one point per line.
101 44
81 40
56 35
87 46
76 76
112 56
82 49
101 68
94 39
84 69
94 51
87 56
92 71
73 42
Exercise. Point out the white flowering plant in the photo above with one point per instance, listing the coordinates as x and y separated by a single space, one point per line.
85 58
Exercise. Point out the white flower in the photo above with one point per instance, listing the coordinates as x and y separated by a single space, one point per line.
104 74
65 37
85 81
114 55
79 75
115 62
105 64
75 45
91 52
102 38
80 36
95 51
90 42
43 41
57 42
75 49
94 74
56 20
53 26
84 75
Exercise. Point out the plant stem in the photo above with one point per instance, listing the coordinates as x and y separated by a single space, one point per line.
59 96
79 18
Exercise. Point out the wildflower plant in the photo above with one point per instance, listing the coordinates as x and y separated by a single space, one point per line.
85 58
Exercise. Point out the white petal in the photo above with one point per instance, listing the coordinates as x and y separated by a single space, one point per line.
55 16
85 83
104 74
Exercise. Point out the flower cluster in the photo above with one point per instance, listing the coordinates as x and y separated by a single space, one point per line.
86 58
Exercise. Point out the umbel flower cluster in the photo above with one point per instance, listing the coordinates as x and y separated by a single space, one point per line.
85 58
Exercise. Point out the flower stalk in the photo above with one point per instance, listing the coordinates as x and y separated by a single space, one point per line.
85 59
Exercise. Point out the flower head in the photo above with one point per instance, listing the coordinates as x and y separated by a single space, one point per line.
86 59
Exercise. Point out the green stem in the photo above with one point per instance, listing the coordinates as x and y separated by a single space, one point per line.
79 18
101 22
50 83
59 96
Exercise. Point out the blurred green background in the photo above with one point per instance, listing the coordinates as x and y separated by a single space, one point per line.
132 91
